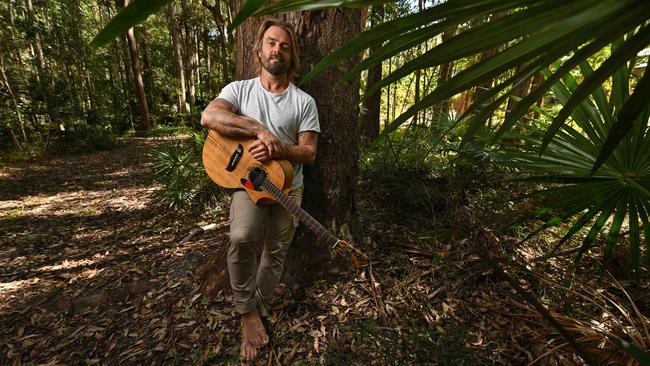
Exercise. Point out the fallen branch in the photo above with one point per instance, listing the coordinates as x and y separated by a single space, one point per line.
201 230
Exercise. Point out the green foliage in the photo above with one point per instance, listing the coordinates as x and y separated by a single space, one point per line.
82 138
613 199
532 34
178 168
78 84
402 169
75 138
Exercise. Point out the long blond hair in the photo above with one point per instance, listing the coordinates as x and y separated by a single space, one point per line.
294 63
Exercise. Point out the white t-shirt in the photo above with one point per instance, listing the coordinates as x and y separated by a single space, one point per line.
285 114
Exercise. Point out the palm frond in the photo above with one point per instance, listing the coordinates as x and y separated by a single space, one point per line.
606 200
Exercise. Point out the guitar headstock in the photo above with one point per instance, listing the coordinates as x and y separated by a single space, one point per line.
358 258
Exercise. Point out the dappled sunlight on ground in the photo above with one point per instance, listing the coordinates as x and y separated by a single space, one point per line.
92 272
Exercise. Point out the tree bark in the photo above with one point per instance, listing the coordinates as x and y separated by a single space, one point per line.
227 68
83 59
41 73
145 124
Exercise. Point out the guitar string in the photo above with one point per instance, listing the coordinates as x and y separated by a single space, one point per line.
300 213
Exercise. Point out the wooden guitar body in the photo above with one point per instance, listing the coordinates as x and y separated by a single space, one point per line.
229 164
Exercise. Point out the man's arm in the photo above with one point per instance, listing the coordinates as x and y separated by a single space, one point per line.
220 115
305 151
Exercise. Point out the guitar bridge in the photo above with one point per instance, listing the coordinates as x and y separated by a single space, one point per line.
235 157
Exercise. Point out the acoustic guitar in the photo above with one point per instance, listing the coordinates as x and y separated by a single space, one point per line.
229 164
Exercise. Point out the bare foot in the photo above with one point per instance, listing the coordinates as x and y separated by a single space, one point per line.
253 335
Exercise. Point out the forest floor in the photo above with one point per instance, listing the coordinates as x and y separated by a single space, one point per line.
92 271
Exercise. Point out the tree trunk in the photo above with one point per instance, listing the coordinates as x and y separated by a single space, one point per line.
446 72
176 46
83 59
137 79
147 70
370 122
41 76
388 93
13 45
189 59
208 81
519 91
537 79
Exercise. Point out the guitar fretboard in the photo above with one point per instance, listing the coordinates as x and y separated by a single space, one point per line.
302 215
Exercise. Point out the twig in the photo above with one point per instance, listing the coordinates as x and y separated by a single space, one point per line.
381 307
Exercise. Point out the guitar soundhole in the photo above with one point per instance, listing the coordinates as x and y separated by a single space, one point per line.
257 176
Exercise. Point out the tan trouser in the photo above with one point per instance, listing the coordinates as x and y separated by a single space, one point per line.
252 284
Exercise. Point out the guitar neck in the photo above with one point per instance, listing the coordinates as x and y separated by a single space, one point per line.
302 215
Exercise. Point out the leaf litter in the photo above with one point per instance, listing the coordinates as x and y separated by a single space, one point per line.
92 273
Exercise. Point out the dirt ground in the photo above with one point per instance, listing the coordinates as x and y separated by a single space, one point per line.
92 272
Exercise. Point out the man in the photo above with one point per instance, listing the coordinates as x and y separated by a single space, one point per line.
283 121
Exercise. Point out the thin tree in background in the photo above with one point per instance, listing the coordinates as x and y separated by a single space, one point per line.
188 56
178 59
446 72
370 121
145 124
14 37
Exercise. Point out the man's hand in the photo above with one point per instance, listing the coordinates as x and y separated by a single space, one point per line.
261 152
266 147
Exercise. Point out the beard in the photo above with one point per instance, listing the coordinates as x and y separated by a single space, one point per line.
275 65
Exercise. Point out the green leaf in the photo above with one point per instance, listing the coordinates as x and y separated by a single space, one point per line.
568 35
614 30
633 107
306 5
620 90
450 12
494 33
619 58
134 13
601 101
